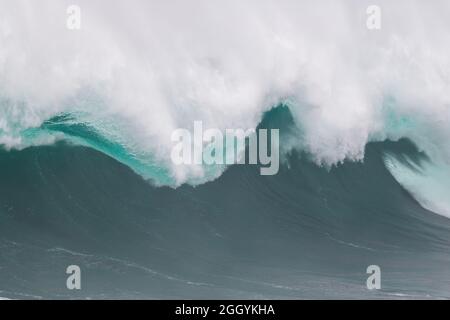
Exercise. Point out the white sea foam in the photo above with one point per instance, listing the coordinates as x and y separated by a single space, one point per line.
137 70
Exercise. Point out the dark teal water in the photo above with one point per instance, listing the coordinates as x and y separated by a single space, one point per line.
307 232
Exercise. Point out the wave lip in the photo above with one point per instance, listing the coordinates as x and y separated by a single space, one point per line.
427 181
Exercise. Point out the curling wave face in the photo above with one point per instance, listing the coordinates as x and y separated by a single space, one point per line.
137 71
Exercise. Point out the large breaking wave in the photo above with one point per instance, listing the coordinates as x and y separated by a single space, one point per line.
363 116
131 77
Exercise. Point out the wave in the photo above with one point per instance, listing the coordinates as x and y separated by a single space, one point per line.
128 78
425 180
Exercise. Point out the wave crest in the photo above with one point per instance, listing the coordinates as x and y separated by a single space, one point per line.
138 70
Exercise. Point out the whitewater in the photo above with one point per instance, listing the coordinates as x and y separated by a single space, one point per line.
138 70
